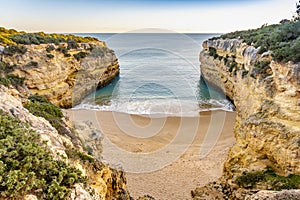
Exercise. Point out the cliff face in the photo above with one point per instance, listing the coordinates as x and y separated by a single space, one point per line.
54 72
103 182
267 99
64 74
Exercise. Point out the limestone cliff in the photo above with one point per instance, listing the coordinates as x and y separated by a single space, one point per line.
267 104
267 99
69 144
64 75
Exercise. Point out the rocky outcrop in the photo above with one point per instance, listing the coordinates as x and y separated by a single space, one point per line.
267 103
267 99
103 182
54 72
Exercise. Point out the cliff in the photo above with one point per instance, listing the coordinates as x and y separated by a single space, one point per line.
43 154
267 105
62 75
266 94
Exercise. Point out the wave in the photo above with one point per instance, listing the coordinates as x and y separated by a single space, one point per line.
173 107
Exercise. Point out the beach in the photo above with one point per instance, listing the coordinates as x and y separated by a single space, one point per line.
193 167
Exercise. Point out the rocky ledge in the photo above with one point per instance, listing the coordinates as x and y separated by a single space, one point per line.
63 73
266 94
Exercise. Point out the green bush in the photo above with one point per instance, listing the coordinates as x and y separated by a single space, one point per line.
41 107
72 44
49 55
63 50
31 64
6 68
213 52
8 79
26 165
80 55
282 39
13 49
270 178
9 37
232 66
262 64
77 155
4 81
50 48
11 79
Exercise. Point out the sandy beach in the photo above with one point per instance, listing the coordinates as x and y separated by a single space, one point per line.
195 148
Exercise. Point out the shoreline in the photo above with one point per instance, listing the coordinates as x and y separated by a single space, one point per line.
173 180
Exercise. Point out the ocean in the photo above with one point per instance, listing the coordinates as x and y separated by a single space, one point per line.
159 75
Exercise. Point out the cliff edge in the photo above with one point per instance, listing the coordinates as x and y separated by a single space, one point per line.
266 93
62 68
43 155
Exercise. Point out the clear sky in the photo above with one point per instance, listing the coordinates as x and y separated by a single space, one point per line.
198 16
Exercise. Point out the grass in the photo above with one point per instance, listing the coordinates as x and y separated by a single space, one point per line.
270 178
27 166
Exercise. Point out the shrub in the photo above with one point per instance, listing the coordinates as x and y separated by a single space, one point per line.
50 48
6 68
26 165
63 50
250 179
4 81
282 39
213 52
15 80
13 37
41 107
262 64
13 49
72 44
77 155
8 79
268 177
80 55
31 64
49 55
233 65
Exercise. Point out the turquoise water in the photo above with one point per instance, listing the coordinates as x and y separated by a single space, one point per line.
159 75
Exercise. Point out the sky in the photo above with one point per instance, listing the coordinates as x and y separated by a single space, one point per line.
119 16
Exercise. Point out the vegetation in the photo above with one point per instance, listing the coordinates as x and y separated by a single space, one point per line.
73 153
213 52
14 49
31 64
270 178
49 55
27 166
64 50
283 40
41 107
50 48
80 55
297 17
6 78
13 37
